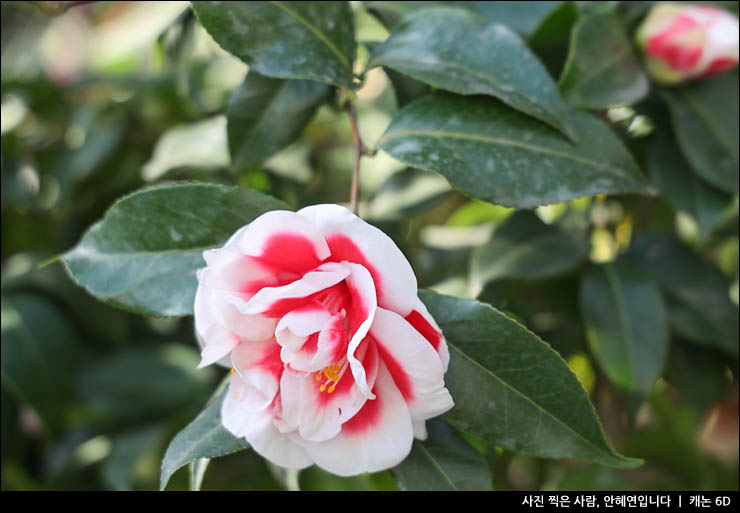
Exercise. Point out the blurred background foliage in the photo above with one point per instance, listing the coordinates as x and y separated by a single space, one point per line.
113 96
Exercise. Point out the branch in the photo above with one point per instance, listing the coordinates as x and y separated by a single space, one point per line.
359 150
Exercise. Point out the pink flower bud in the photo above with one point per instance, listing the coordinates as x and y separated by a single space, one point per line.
684 42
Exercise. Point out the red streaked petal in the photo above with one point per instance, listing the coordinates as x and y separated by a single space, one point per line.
283 241
424 323
277 301
353 240
414 365
259 365
378 437
362 312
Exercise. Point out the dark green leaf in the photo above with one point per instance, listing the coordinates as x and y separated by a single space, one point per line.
39 355
512 389
204 437
406 88
442 462
141 383
129 449
143 254
525 247
705 118
300 40
601 69
626 325
681 187
551 39
458 51
497 154
267 114
698 297
391 14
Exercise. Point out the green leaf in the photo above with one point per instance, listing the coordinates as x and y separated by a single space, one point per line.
497 154
300 40
143 254
199 144
129 449
141 383
442 462
626 325
267 114
405 88
39 355
408 193
204 437
601 69
698 297
525 247
511 389
551 39
681 187
705 118
458 51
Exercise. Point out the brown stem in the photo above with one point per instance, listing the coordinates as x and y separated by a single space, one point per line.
358 155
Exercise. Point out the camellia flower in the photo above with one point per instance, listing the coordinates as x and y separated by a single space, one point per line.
335 359
682 42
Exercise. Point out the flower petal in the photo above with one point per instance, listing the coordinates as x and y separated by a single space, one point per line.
277 301
258 429
283 241
378 437
259 365
298 334
424 323
352 239
319 412
414 365
217 344
361 314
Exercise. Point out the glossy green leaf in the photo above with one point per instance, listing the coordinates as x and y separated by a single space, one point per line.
458 51
204 437
602 69
392 13
698 296
143 254
525 247
705 118
39 355
267 114
442 462
142 383
681 187
510 388
299 40
405 88
626 325
497 154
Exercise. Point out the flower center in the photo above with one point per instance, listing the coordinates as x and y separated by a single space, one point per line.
333 374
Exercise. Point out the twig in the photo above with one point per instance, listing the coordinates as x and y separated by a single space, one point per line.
359 150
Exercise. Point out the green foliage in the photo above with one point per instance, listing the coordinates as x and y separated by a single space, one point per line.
137 135
512 389
144 253
493 153
422 48
601 69
204 437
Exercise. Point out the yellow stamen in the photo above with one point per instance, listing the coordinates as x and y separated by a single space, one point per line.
318 376
322 387
332 388
233 370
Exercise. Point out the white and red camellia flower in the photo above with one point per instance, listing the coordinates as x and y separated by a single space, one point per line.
335 359
684 42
